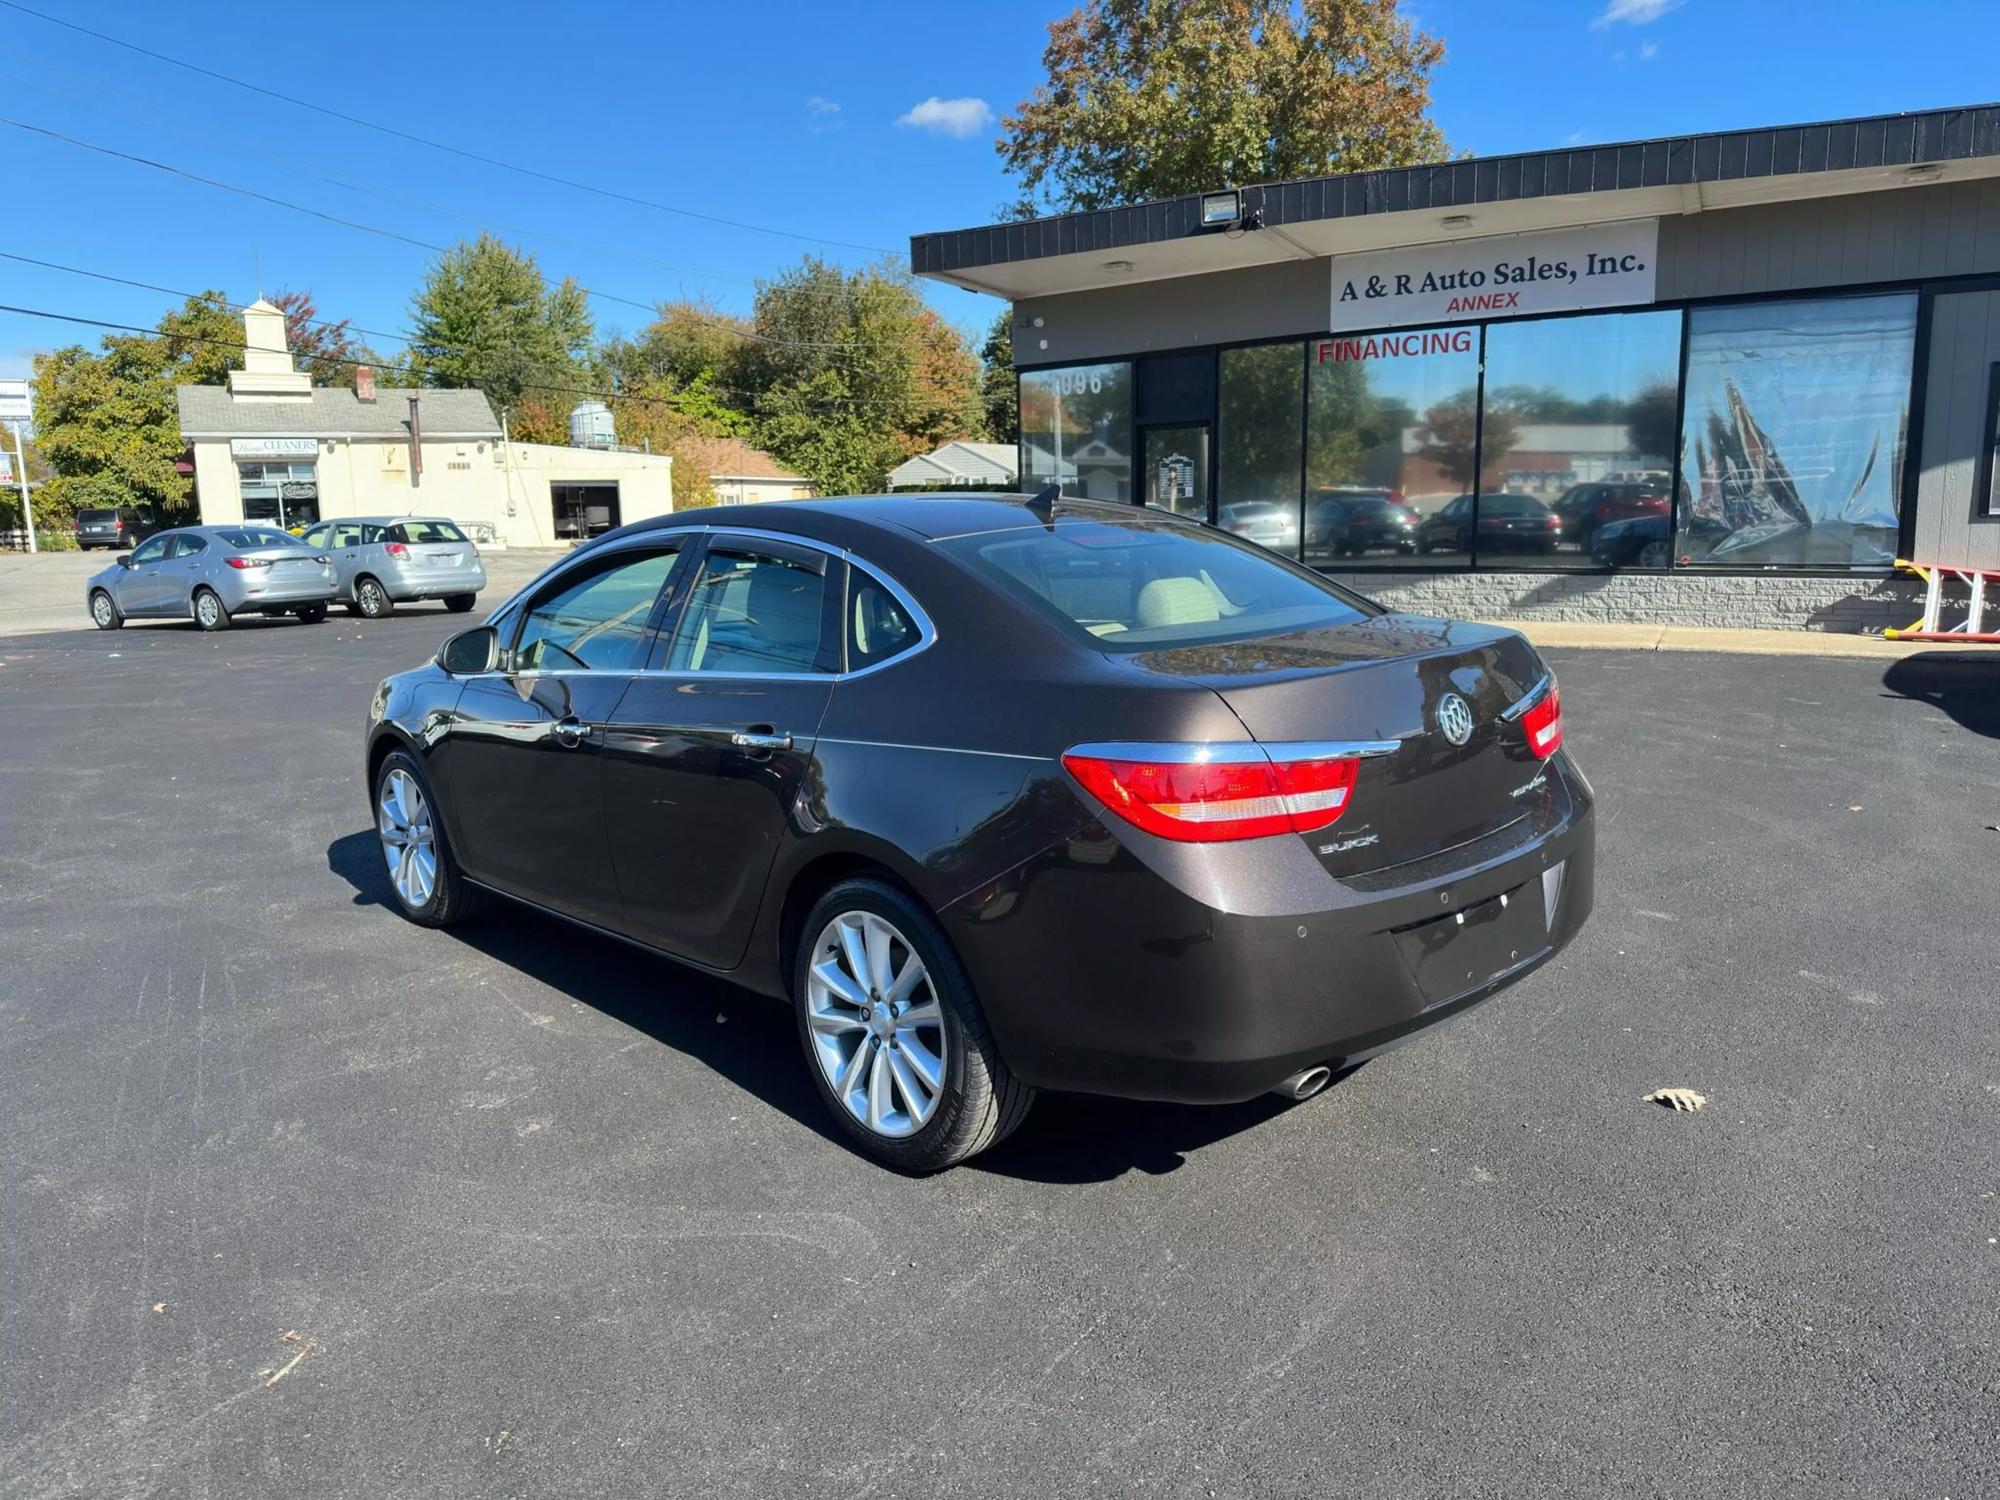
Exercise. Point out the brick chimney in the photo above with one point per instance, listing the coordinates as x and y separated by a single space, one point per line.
364 383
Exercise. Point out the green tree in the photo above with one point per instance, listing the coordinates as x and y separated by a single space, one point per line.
485 317
849 373
1153 98
108 424
999 387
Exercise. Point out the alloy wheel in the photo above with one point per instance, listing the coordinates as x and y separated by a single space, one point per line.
409 844
100 611
207 611
371 599
877 1030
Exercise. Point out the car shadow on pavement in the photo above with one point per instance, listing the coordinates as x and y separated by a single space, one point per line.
1965 684
750 1040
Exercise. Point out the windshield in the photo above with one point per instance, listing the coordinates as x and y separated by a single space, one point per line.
246 540
1139 586
425 531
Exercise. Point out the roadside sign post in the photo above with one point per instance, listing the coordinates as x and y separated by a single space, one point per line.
16 410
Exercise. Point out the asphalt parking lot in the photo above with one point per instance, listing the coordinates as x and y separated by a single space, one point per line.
303 1200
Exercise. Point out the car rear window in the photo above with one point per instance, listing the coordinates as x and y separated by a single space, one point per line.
97 515
244 539
1140 586
1509 505
425 531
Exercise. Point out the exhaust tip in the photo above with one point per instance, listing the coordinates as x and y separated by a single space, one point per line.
1305 1083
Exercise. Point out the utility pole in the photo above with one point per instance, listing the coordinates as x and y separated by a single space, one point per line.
17 410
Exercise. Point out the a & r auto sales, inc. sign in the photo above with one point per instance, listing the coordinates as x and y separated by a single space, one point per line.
1502 276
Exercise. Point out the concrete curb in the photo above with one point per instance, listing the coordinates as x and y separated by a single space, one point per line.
1616 637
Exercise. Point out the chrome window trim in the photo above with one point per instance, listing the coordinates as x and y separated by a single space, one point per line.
926 631
1528 699
1234 752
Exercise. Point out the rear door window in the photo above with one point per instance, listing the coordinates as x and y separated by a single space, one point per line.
1131 586
753 611
187 544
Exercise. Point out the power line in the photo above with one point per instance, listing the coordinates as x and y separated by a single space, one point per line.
345 325
386 365
152 108
262 197
450 150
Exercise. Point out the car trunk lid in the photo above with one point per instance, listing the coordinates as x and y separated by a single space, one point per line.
1383 682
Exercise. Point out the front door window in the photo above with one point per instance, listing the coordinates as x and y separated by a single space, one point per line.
1175 460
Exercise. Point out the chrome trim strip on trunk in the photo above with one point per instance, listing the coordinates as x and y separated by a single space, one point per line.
1528 699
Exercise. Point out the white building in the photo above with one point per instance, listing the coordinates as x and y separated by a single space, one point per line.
960 466
744 475
272 446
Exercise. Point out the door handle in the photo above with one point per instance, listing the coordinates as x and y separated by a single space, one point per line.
571 732
756 740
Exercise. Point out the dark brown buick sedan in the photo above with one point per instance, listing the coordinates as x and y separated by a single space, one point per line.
1002 795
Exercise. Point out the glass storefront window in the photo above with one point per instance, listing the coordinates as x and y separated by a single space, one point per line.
1797 417
1076 426
1261 440
1577 442
1389 443
282 494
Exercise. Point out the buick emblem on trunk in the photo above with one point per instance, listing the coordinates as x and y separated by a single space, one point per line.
1455 718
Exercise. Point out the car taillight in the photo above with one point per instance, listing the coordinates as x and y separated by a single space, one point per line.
1544 724
395 549
242 564
1209 801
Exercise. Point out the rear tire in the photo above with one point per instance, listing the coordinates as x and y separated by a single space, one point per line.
104 611
867 1062
460 604
371 600
429 888
312 614
209 613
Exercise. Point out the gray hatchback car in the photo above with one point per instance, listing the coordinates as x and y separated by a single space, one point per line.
210 574
383 561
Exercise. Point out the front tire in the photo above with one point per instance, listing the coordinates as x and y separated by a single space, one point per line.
372 601
894 1037
1655 555
460 604
430 890
209 612
104 611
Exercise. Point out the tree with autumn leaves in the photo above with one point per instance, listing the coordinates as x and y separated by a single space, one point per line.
1149 99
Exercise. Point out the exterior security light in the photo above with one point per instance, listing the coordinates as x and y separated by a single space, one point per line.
1923 171
1218 209
1118 267
1455 221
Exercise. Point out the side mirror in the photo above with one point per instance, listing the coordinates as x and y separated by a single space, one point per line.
470 651
124 559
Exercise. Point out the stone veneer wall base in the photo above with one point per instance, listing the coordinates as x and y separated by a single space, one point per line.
1850 606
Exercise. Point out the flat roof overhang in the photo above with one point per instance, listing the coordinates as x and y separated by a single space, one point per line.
1325 216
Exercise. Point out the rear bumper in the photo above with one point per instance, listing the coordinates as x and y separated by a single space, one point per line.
1100 976
277 596
440 583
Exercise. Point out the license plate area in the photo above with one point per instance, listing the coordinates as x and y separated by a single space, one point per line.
1466 949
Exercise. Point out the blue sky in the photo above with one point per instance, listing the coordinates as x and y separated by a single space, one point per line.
861 123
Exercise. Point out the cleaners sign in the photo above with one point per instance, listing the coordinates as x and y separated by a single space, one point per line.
1504 276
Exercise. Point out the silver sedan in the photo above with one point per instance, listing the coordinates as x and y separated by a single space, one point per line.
210 574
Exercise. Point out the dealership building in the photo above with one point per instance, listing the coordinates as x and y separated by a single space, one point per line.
271 446
1708 379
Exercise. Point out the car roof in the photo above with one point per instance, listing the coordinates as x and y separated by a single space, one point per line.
382 520
926 517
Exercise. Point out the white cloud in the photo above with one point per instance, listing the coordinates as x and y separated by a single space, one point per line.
954 117
1635 12
819 106
1648 51
1574 138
